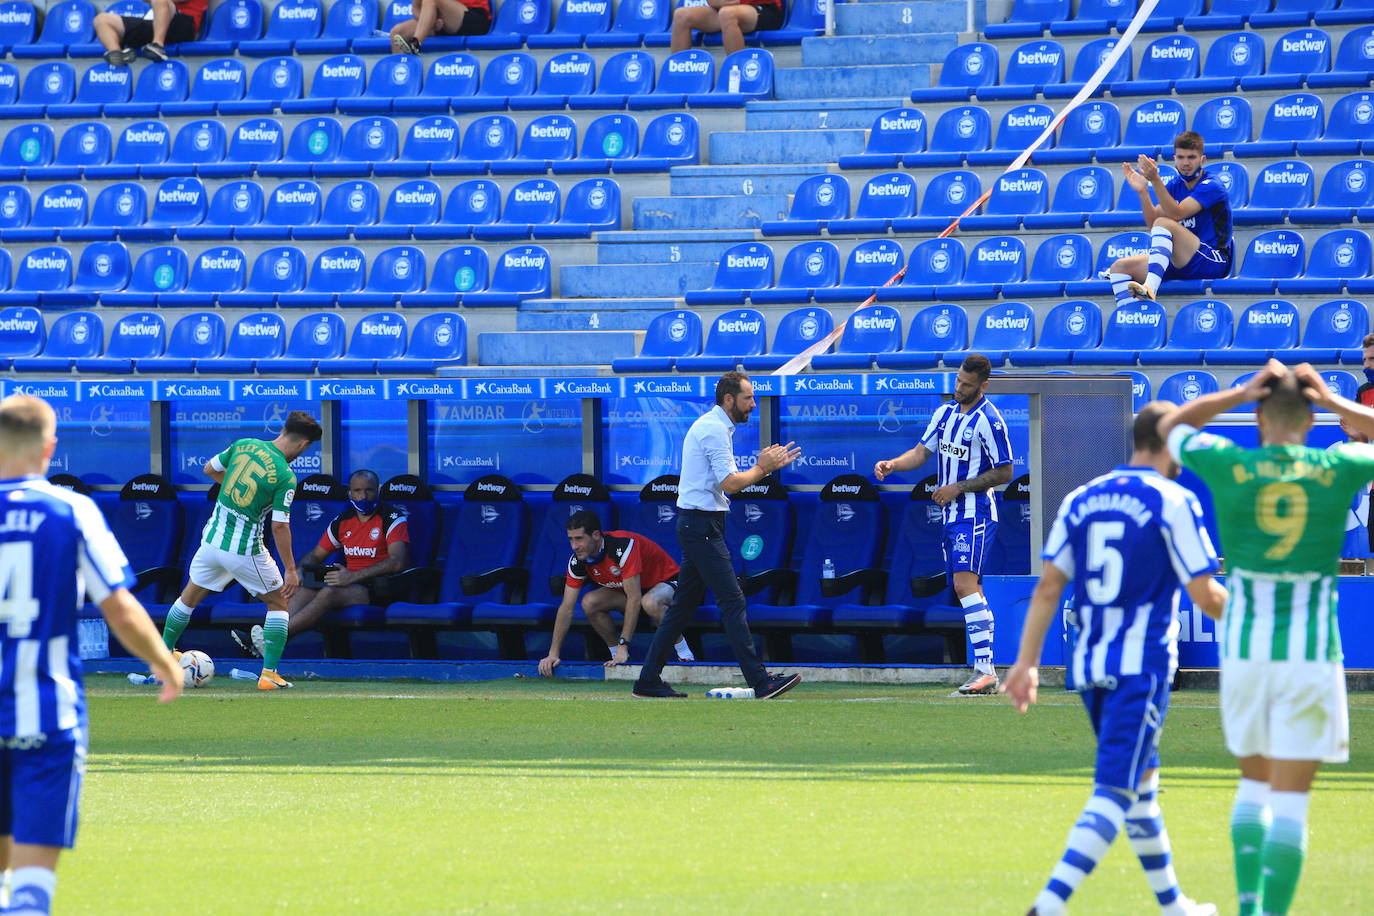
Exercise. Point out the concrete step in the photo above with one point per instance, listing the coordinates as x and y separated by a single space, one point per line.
553 348
668 247
814 114
590 317
878 50
607 281
847 82
705 180
774 146
708 212
919 17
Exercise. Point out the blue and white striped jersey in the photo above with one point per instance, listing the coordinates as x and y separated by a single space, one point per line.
966 445
1127 540
55 551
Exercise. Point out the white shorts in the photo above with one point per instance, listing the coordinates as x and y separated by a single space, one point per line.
213 568
1285 710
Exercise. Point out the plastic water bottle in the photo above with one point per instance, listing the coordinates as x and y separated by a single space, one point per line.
92 638
734 78
827 569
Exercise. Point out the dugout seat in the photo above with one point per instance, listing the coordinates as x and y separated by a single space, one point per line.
1014 196
137 335
146 520
1081 192
1071 334
868 331
893 134
808 267
195 337
957 132
817 201
1338 259
742 268
884 198
797 331
734 335
935 330
669 336
1199 327
759 533
73 335
1264 329
992 263
654 514
934 270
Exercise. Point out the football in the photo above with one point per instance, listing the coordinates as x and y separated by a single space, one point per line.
199 668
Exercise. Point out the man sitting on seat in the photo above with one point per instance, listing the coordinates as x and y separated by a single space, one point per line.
440 17
168 22
632 571
733 19
375 541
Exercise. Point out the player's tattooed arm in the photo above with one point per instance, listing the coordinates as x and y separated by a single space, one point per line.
986 480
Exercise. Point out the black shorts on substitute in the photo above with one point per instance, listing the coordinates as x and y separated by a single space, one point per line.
139 32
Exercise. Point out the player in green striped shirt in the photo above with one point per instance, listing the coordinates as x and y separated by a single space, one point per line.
256 482
1280 511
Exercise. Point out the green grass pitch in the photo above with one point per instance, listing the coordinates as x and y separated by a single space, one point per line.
529 796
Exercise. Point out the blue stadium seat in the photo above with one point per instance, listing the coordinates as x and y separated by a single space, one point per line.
593 205
689 72
531 203
143 144
936 266
1165 61
177 203
567 74
520 273
103 267
367 142
1029 18
74 335
967 67
1030 68
885 197
1089 127
313 140
68 27
755 66
1224 14
1223 122
195 337
1131 329
607 140
513 21
158 271
1288 13
575 20
1080 192
9 85
458 272
223 269
49 85
290 205
316 337
1182 387
1169 14
670 336
623 75
429 145
742 268
734 335
635 21
26 147
100 85
1236 179
805 19
1335 332
234 204
1264 329
217 82
291 21
669 140
394 12
818 200
439 339
1085 64
18 24
869 265
116 207
1279 188
341 269
278 274
1269 257
1150 130
548 138
346 22
350 206
470 203
1019 128
274 82
39 272
1350 128
395 76
57 207
958 131
259 337
1199 327
1354 64
1014 195
450 76
251 144
376 338
936 330
231 22
15 206
417 202
868 332
505 76
1140 388
486 139
1337 259
1295 55
135 336
1002 328
798 331
84 144
993 262
806 268
1291 118
894 134
1059 261
1347 12
22 332
1347 191
396 272
342 76
157 84
1071 333
1230 59
197 143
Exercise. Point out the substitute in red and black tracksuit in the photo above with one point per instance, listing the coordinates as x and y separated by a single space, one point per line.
733 19
631 572
440 17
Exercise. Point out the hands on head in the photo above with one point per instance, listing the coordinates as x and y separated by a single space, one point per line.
1262 382
1314 387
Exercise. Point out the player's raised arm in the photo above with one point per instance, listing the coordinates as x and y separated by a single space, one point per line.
135 630
1196 413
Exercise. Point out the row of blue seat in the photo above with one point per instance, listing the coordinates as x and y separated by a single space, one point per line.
1034 17
164 276
306 27
321 147
1074 332
1295 123
1083 196
184 209
939 268
455 82
200 342
1173 63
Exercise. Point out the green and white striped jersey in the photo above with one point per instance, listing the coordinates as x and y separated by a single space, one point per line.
257 481
1280 512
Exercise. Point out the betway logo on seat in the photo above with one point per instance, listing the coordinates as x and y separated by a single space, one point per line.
864 323
579 490
888 256
46 262
739 326
108 76
569 68
534 197
464 70
1284 318
416 197
1020 185
1302 45
341 263
260 330
1037 58
688 66
1157 117
895 189
1150 318
667 488
222 75
312 487
524 260
746 261
146 136
178 196
434 133
378 329
1172 52
341 71
18 324
491 488
886 123
1288 248
1008 324
550 132
845 488
64 203
1029 120
1287 177
140 330
259 134
297 12
220 262
1006 255
1296 111
297 197
140 486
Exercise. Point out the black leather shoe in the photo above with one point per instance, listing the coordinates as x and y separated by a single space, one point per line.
775 685
659 691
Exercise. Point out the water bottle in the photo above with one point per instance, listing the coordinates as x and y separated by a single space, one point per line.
92 638
827 569
734 79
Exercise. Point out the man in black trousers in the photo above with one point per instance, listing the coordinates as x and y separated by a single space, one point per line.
709 475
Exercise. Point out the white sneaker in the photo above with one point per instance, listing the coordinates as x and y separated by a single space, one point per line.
259 641
980 684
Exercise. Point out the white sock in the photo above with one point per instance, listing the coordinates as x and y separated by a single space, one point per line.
32 891
1120 288
684 651
1161 253
978 621
1290 805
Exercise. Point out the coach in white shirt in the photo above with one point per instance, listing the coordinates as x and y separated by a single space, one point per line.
709 476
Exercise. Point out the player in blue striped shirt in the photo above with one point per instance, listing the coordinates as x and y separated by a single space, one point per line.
55 552
1126 541
970 441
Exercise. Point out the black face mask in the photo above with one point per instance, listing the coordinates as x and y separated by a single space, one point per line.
1369 374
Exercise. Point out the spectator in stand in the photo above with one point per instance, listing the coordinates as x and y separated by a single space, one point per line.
733 19
440 17
168 22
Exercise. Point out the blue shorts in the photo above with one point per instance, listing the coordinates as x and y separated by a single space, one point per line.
1127 720
1207 263
966 544
42 791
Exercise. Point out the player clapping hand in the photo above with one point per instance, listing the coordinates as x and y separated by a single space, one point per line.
777 456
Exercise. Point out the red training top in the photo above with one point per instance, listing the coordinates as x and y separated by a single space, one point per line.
363 542
478 5
193 8
623 554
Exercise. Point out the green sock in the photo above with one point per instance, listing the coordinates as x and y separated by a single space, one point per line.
1284 851
274 638
178 616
